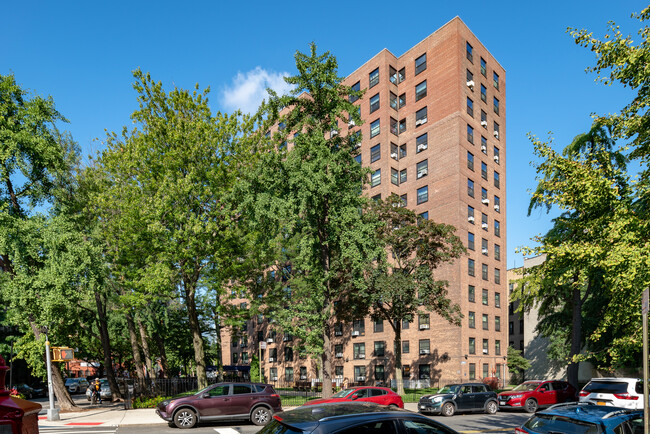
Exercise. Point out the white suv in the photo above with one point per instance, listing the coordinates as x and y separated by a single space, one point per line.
617 392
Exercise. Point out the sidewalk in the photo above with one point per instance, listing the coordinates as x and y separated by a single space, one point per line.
114 414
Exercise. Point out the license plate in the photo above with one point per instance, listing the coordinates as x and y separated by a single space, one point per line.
502 403
601 403
422 407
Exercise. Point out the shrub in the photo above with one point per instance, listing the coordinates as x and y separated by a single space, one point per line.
142 402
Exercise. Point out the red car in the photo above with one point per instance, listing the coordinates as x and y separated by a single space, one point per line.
530 395
378 395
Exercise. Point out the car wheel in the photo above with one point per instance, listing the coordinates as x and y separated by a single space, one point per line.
491 407
531 405
260 416
184 418
448 409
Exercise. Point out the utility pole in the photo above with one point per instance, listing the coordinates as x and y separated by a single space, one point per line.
52 413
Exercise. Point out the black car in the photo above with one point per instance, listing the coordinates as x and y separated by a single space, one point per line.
353 418
460 397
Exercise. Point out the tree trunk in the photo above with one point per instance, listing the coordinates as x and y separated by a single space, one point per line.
106 347
145 350
163 354
135 349
576 335
195 329
217 343
398 357
327 359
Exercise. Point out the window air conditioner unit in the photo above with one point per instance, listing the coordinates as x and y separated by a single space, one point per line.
484 226
484 123
393 155
334 133
484 251
351 123
483 148
496 158
496 208
355 333
424 326
470 84
339 355
422 147
361 356
338 333
422 173
303 377
361 378
486 201
470 219
418 122
271 359
269 340
424 351
485 351
285 339
496 134
274 379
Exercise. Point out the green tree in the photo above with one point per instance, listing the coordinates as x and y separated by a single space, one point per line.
517 362
305 202
402 284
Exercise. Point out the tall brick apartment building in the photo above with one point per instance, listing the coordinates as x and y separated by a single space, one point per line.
435 134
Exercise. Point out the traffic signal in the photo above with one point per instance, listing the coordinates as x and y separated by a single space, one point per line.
62 354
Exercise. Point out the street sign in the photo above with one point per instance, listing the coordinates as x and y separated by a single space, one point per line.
62 354
644 305
263 345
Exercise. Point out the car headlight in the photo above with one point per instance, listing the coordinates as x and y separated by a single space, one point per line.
516 396
436 399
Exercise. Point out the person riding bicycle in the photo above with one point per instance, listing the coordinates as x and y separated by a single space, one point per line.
97 386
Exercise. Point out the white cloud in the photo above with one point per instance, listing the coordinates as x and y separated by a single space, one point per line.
249 89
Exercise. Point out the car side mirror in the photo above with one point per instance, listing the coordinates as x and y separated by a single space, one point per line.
460 393
205 395
355 396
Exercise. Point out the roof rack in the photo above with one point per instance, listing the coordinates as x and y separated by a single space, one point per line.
564 404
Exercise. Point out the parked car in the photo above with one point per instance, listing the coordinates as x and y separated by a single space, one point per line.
460 398
76 385
577 418
25 390
353 418
40 389
377 395
617 392
223 401
531 395
104 390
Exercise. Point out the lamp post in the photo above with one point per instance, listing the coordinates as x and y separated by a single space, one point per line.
52 413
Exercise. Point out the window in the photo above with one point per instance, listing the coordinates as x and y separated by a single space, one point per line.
393 126
420 117
235 356
378 325
422 168
497 276
484 119
421 90
470 241
471 293
470 107
379 376
511 328
521 326
393 100
483 94
288 354
497 252
402 176
374 128
288 375
402 101
497 323
359 351
472 371
423 321
497 203
486 319
484 271
355 87
469 76
380 348
495 102
402 126
484 221
373 78
470 160
483 67
393 152
484 195
471 318
484 170
420 64
470 214
484 297
425 347
484 145
357 158
374 103
497 228
424 215
497 183
375 178
405 347
404 199
469 52
470 267
401 75
496 132
359 373
424 372
405 324
392 73
375 153
495 80
273 373
484 246
486 346
421 143
472 345
338 350
495 150
394 176
358 326
423 194
470 188
497 347
470 134
486 369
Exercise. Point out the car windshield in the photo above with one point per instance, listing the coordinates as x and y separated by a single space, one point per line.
606 387
525 387
450 388
343 393
547 423
71 381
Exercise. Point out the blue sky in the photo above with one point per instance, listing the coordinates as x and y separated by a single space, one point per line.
82 54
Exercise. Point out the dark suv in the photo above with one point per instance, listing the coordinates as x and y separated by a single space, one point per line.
460 397
222 401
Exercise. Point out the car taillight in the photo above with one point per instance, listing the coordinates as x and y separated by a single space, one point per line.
582 393
626 396
519 430
278 418
275 395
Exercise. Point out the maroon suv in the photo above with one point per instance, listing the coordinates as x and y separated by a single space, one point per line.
222 401
530 395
